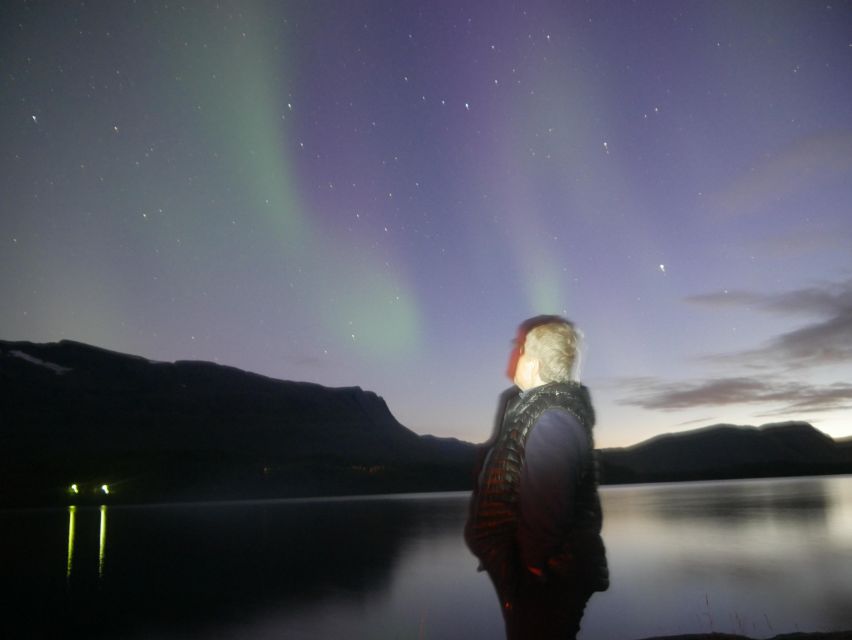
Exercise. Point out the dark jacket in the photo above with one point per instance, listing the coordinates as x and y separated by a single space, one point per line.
548 519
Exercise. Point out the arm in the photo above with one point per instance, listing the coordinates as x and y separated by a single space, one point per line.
556 449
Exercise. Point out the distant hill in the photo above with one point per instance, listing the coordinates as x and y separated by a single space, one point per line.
728 451
74 413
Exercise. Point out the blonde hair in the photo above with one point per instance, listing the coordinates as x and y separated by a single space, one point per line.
554 342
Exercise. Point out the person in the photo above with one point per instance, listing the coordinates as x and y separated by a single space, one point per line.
535 514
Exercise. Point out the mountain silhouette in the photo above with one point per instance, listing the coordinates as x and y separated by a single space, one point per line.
728 451
158 431
74 413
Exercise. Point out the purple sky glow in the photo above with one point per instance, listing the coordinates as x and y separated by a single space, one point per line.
377 193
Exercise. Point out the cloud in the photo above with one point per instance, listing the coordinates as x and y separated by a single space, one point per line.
704 420
806 164
300 359
825 340
803 241
789 397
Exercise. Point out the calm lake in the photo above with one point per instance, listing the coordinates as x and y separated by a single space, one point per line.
759 557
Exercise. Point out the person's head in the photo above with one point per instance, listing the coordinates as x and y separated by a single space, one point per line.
545 351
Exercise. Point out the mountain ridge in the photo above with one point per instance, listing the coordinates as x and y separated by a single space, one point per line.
195 430
728 451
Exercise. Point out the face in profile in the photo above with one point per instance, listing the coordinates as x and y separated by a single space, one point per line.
522 367
515 355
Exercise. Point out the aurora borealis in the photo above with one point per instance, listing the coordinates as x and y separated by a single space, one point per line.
377 193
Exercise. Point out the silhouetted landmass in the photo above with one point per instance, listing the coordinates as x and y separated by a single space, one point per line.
728 451
73 413
156 431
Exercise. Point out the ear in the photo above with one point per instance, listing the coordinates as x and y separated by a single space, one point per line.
535 366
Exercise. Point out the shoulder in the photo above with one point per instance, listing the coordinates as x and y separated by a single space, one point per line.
558 425
558 419
557 439
575 398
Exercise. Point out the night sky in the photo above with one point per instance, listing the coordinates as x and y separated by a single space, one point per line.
377 194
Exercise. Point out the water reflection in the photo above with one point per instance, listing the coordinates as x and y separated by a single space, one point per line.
226 562
737 504
72 528
839 520
759 558
102 542
72 541
751 557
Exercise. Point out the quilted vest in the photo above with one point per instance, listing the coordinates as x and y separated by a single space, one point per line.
492 528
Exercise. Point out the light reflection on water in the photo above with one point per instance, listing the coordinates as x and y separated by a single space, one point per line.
758 557
72 540
72 527
839 519
102 537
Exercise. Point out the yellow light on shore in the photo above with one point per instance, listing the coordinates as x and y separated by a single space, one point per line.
105 488
75 489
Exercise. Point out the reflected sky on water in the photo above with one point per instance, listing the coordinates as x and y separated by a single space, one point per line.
759 557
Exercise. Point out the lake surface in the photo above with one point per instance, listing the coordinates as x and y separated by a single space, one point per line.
758 557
